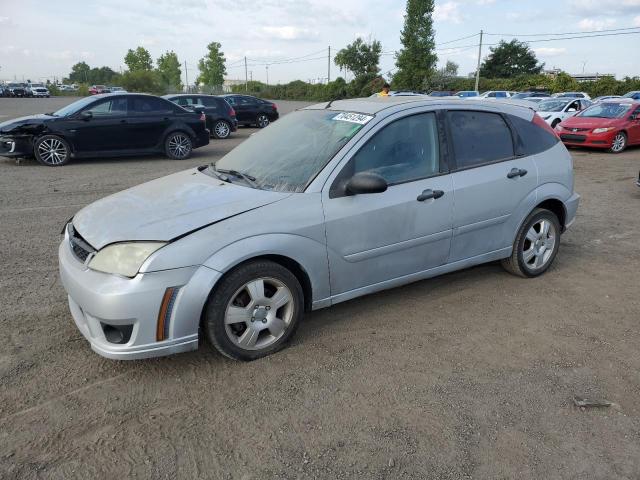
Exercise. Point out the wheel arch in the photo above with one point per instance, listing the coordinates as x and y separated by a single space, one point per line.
557 207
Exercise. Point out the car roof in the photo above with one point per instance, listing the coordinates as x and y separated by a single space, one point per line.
176 95
375 105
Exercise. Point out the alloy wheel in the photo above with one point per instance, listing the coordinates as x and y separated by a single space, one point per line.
259 313
52 151
221 129
179 146
619 143
263 120
539 244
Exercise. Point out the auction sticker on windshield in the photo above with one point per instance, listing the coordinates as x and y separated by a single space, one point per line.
358 118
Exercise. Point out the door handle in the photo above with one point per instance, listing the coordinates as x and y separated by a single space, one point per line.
428 193
516 172
123 121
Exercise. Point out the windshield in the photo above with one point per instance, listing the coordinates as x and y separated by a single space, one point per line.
606 110
552 105
74 107
630 95
288 154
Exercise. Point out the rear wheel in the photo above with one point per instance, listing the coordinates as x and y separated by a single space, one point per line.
221 129
262 120
536 245
52 151
619 143
178 146
254 311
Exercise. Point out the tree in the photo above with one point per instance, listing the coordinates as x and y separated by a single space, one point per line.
138 60
417 60
445 76
147 81
564 83
211 66
80 73
361 59
169 70
509 59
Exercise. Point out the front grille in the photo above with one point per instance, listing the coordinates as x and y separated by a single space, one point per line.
573 138
81 249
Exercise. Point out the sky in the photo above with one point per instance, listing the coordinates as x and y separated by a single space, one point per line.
42 39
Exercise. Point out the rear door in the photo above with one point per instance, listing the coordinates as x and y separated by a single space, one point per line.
246 109
149 117
633 129
490 182
372 238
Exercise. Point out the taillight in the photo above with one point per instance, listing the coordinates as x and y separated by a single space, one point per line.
537 120
203 117
232 112
275 107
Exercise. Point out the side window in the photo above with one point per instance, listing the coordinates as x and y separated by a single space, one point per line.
245 101
209 102
230 100
402 151
501 95
479 137
492 95
150 105
532 139
183 101
113 107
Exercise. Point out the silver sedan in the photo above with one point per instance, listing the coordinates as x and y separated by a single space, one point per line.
332 202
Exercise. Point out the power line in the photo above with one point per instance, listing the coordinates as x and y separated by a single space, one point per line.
576 37
458 39
559 34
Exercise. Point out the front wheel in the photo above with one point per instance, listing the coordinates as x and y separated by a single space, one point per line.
254 311
178 146
52 151
262 120
221 129
619 143
536 245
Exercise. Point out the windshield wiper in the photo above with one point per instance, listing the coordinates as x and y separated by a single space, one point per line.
251 180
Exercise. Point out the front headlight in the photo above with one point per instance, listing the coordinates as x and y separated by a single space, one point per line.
603 130
124 258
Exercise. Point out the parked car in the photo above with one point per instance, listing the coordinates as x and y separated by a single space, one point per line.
332 202
467 94
497 94
535 99
38 90
554 110
442 93
221 117
530 95
116 90
573 95
3 91
606 97
612 124
98 89
633 95
251 110
105 125
16 89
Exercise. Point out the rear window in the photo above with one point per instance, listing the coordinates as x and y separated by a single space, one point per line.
531 138
479 137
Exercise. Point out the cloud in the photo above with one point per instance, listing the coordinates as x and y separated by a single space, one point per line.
4 20
592 24
485 2
611 7
289 32
447 12
549 51
636 21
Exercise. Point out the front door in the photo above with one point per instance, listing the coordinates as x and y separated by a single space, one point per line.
105 130
372 238
490 183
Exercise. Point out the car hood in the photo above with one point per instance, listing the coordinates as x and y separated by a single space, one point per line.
585 122
16 123
167 208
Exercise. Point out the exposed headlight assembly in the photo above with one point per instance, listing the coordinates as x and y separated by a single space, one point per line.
124 258
603 130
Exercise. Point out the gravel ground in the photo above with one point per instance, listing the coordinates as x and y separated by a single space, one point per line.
469 375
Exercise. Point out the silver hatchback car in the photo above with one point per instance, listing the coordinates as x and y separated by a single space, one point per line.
332 202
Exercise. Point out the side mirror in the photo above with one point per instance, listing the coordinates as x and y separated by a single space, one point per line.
366 182
86 115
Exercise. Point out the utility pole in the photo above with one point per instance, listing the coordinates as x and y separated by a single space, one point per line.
267 67
246 84
251 75
329 65
186 75
479 57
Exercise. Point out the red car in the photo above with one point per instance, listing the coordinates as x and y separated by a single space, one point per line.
98 89
611 124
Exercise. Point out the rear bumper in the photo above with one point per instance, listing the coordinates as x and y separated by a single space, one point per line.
201 139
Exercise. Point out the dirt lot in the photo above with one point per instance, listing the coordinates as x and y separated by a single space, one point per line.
470 375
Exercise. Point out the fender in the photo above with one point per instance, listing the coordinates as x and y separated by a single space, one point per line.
310 254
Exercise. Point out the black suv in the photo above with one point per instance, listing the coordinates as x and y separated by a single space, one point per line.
221 117
107 125
17 89
251 110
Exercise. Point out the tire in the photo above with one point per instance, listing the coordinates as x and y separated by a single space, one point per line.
178 145
221 129
532 255
256 292
619 143
262 120
555 123
52 151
